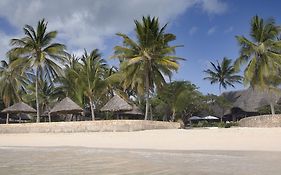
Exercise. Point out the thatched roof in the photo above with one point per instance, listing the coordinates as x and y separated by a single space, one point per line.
66 106
115 104
20 107
250 100
135 111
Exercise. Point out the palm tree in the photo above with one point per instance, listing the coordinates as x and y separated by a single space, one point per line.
146 61
174 93
42 54
12 81
92 76
223 73
261 53
69 84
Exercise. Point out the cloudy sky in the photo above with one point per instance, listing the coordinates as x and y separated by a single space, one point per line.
206 28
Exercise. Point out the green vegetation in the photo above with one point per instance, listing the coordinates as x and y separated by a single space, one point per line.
262 54
223 73
40 72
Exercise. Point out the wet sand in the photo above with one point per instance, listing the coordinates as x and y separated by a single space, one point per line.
88 161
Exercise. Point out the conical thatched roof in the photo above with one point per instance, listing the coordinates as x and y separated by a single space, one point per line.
20 107
135 111
115 104
250 100
66 106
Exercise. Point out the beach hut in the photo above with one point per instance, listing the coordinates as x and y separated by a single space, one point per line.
18 108
118 105
66 106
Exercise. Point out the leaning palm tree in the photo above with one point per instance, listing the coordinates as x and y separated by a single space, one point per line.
92 77
146 61
223 73
42 53
261 53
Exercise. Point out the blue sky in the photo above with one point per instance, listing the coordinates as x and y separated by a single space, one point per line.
206 28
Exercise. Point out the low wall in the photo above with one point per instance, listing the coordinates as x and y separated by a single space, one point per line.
265 121
87 126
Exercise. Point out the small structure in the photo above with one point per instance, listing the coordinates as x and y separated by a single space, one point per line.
120 106
66 106
135 111
209 117
18 108
194 118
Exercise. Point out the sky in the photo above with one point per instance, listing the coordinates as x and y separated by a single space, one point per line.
206 28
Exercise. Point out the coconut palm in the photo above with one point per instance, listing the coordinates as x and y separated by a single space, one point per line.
69 84
12 82
92 77
42 53
261 53
223 73
146 61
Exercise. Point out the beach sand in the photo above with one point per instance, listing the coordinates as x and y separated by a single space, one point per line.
253 139
239 151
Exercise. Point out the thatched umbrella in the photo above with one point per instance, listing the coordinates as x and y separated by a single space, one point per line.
66 106
135 111
117 104
20 107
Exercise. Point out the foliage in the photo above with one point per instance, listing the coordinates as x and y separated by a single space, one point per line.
267 110
179 99
262 54
39 53
223 73
146 61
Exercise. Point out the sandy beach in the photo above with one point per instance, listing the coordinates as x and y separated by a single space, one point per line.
239 151
240 139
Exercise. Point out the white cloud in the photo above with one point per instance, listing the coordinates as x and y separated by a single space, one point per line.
214 6
193 30
87 24
212 30
229 29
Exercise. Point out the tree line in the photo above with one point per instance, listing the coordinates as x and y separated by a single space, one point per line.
40 71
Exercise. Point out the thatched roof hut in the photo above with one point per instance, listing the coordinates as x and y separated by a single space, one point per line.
250 100
20 107
66 106
116 104
135 111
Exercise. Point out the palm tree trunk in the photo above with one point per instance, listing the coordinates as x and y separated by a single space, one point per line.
37 98
92 109
7 119
146 96
272 108
173 115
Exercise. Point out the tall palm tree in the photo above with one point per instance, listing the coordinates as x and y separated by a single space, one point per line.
261 53
42 53
92 75
223 73
146 61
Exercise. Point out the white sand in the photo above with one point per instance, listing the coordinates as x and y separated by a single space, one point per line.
254 139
